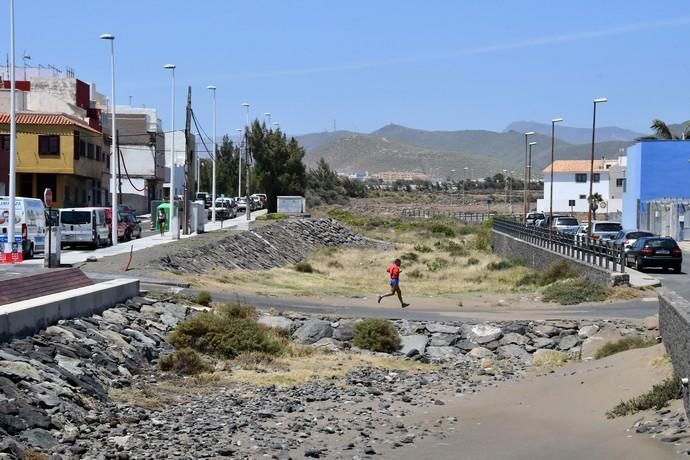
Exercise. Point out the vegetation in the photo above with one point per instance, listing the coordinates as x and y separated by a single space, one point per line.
204 298
303 267
656 398
273 216
184 361
505 264
376 335
557 271
324 186
442 229
663 131
624 344
550 358
576 290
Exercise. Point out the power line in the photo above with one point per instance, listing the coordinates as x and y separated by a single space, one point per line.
213 156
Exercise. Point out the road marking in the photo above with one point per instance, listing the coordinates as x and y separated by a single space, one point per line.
649 299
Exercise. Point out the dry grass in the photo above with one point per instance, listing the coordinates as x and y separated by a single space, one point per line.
550 358
626 293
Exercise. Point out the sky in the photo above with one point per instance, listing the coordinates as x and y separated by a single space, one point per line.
358 65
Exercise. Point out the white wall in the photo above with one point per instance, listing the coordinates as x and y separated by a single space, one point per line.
140 160
565 188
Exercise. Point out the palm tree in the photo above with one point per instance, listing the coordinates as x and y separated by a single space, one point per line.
662 131
595 199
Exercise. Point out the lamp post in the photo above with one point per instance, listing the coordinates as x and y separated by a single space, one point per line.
553 139
464 182
212 89
529 167
267 115
505 187
13 142
174 227
596 101
276 124
25 57
527 135
115 151
452 176
248 210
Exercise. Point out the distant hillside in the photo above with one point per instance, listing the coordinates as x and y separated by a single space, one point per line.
316 140
575 135
679 128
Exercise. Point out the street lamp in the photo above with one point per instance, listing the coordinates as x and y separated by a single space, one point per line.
212 89
529 166
267 115
452 176
553 139
527 135
276 124
115 151
246 160
239 157
13 144
174 227
596 101
465 169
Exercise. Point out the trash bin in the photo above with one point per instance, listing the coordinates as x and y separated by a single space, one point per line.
166 208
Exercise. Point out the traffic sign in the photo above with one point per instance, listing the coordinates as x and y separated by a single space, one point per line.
48 197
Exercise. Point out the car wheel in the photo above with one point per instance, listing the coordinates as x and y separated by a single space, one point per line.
678 268
128 235
110 240
30 253
638 264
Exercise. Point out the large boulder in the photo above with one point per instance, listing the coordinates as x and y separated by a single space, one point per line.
567 342
483 333
442 328
413 342
514 338
443 340
328 345
543 342
481 352
545 330
442 353
312 331
277 322
586 332
513 351
345 329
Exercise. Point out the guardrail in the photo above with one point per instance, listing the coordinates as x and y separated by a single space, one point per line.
466 217
588 250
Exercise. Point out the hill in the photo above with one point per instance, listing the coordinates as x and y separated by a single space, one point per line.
576 135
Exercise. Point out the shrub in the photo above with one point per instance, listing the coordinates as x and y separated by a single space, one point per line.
549 358
226 333
422 248
204 298
482 239
456 249
437 264
334 264
505 264
442 229
303 267
416 274
574 291
273 216
410 257
253 359
472 261
184 361
657 398
560 270
624 344
376 335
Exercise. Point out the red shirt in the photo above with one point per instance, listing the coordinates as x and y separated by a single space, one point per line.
394 270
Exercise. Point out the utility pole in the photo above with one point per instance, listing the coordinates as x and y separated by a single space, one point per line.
119 169
189 170
247 166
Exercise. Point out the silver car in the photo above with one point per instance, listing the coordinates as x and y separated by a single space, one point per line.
627 238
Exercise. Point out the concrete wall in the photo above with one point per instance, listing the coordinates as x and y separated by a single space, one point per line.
674 326
21 319
539 258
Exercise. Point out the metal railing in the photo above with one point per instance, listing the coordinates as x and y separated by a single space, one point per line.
591 251
465 217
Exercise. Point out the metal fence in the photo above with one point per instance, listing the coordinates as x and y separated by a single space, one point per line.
588 250
466 217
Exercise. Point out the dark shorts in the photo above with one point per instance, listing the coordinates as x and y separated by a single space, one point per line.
395 283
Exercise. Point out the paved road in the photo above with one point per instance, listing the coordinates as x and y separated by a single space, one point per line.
678 282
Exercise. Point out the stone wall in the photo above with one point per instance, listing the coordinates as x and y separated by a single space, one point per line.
674 326
539 259
276 244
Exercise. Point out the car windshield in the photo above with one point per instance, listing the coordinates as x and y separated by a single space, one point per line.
636 235
607 227
664 243
566 221
75 217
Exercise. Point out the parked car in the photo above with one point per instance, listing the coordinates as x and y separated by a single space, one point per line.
121 226
205 197
565 224
627 238
126 208
29 222
241 203
653 251
226 208
263 198
255 203
132 225
605 230
533 217
83 226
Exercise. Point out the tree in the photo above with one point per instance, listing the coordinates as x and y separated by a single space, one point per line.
226 169
662 131
595 199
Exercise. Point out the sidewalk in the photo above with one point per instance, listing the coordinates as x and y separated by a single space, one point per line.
642 280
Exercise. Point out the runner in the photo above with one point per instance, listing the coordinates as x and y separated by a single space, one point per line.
394 271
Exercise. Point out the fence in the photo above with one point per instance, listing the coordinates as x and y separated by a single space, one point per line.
588 250
466 217
665 217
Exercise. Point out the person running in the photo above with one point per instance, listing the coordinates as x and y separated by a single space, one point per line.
161 220
394 271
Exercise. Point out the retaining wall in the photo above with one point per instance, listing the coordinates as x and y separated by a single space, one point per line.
538 259
674 326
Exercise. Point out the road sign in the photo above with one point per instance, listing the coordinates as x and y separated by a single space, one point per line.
48 197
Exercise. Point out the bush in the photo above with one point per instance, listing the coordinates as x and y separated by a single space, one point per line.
472 261
226 332
505 264
574 291
557 271
624 344
204 298
437 264
482 239
422 248
657 398
442 229
334 264
456 249
303 267
184 361
273 216
376 335
416 274
410 257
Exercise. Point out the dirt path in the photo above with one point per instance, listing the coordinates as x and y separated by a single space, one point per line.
557 416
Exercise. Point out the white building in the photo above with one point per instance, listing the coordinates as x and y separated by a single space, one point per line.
180 152
571 185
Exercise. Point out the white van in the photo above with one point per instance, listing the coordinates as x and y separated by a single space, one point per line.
29 220
83 226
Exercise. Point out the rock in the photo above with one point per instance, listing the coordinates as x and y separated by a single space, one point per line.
651 323
545 330
413 342
483 333
481 352
465 345
588 331
441 353
17 371
442 328
567 342
513 351
312 331
565 324
443 340
344 330
71 365
41 438
328 344
277 322
543 342
407 438
514 338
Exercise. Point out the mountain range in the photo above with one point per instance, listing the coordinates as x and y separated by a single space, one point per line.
436 153
576 135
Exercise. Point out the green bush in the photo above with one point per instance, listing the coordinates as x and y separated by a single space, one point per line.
482 239
557 271
226 332
184 361
437 264
204 298
624 344
442 229
657 398
455 249
273 216
472 261
422 248
410 257
505 264
303 267
376 335
576 290
367 222
416 274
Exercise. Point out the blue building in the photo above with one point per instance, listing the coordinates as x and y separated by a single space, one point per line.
657 187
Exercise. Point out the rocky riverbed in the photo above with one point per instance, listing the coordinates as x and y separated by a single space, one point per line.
90 388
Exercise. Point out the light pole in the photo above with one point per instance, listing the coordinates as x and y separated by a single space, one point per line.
464 182
13 142
114 152
527 135
276 124
505 187
268 116
452 176
213 158
591 163
248 210
553 140
25 57
529 169
239 171
174 227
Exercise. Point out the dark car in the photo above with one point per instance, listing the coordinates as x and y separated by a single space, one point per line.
652 251
627 238
133 225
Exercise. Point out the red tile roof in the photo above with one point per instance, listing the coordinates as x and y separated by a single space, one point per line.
576 166
29 118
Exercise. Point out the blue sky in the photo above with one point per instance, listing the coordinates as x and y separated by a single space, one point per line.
440 65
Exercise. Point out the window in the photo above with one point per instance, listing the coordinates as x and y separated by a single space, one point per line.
89 151
76 145
48 145
583 197
82 149
4 141
580 177
596 177
620 182
75 217
99 154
